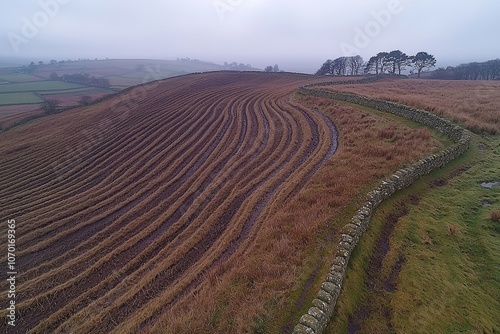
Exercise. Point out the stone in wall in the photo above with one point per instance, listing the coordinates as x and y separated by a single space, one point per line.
318 316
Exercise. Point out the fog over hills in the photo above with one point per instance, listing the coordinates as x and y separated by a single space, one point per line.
296 35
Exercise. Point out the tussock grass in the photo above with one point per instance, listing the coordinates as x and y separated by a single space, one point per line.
449 279
471 103
146 196
495 215
295 235
203 205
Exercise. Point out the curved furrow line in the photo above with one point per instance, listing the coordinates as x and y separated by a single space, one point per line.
194 254
89 227
332 133
213 173
122 261
108 152
136 216
231 154
64 218
138 117
256 212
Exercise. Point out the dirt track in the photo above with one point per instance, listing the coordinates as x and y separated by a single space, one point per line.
124 206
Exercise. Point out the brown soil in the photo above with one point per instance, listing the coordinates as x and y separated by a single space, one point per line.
442 181
374 301
139 196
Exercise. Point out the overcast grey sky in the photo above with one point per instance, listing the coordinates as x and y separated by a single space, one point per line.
299 35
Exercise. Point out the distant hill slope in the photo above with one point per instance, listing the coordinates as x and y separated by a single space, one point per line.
23 87
123 73
157 186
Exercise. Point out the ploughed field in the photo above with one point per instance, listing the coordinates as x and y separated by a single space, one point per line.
125 207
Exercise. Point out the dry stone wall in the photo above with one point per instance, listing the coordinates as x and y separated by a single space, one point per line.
321 310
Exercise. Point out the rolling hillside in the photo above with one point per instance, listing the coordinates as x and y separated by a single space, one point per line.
221 190
150 191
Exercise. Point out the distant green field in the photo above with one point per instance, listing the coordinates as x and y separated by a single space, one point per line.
67 91
19 77
37 86
29 88
19 98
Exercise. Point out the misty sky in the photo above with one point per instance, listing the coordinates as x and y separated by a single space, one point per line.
299 35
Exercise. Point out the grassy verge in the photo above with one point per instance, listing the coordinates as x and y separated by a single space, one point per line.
19 98
366 133
76 90
449 279
38 86
19 77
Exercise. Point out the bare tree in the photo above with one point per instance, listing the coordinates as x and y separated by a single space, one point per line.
355 64
50 106
339 66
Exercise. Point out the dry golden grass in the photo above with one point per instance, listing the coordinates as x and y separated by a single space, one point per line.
471 103
257 282
495 215
187 207
125 205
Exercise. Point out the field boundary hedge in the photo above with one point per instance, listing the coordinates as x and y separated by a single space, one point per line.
320 313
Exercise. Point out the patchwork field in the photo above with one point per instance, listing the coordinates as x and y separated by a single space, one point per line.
22 97
205 203
123 73
20 89
149 194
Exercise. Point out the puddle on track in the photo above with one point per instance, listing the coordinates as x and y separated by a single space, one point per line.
491 184
485 203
